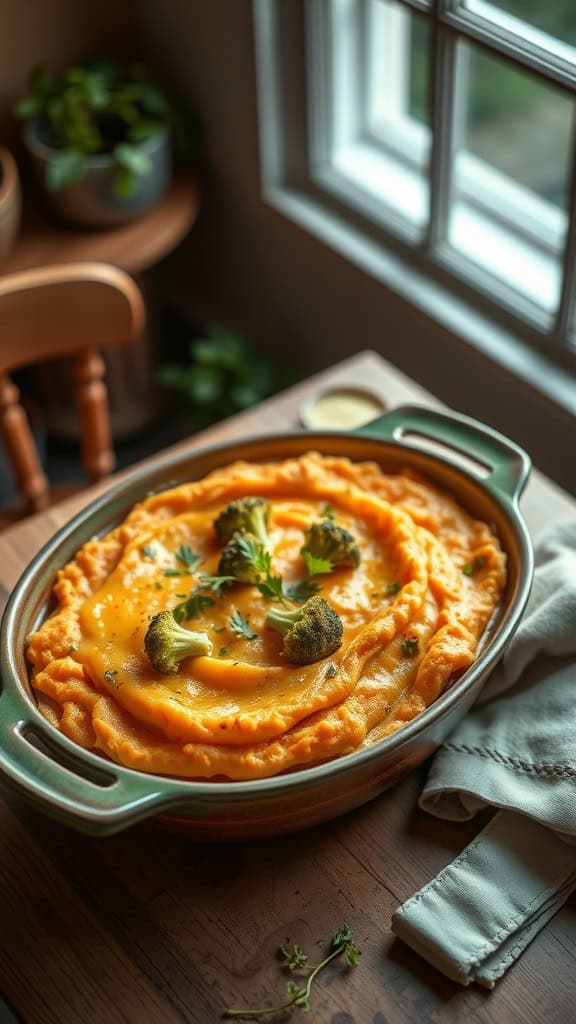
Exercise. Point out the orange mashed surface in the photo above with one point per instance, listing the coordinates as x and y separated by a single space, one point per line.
248 714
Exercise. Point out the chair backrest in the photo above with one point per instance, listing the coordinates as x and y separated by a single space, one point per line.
72 310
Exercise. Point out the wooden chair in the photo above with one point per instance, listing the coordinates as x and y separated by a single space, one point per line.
75 310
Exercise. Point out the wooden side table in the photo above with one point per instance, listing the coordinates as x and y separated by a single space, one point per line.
135 247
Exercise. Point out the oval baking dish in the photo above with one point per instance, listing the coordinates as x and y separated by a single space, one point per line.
482 469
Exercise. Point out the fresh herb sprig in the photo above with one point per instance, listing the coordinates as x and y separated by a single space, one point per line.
240 626
198 599
270 584
295 960
188 559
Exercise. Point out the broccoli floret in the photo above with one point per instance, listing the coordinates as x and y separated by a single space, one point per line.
311 632
246 515
167 643
242 558
329 541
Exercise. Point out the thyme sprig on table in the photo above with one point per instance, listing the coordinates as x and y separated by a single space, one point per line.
295 960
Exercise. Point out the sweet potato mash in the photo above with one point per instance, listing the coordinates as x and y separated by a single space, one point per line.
413 611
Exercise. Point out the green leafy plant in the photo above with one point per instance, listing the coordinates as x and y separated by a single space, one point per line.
224 373
95 108
295 960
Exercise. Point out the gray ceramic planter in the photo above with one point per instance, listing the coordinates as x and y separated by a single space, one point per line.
93 201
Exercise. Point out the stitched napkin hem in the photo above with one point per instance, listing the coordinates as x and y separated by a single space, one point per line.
463 780
479 914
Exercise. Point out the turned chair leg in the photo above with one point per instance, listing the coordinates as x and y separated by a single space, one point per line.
21 448
92 401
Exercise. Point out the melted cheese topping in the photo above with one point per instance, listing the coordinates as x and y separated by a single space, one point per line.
245 712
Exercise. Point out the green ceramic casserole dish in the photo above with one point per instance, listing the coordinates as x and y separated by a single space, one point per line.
482 469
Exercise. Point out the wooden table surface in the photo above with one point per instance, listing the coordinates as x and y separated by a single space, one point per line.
149 928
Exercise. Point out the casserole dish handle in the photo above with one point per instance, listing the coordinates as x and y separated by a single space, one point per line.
500 464
70 784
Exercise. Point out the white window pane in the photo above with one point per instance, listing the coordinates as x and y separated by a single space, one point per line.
547 24
557 17
369 134
512 152
518 124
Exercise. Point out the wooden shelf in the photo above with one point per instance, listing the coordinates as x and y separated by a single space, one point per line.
134 246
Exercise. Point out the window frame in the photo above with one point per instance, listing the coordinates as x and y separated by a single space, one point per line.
298 181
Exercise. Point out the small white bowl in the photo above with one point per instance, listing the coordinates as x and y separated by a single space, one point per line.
341 407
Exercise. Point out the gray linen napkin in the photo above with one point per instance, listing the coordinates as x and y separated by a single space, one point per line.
516 750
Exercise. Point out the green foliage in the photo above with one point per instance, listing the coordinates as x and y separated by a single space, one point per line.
225 373
94 108
496 88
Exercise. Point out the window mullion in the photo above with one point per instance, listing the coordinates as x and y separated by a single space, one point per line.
443 57
417 5
496 39
564 325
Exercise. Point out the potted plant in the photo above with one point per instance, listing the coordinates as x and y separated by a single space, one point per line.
222 373
99 136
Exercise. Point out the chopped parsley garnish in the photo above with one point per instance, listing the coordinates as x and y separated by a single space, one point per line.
223 652
149 551
187 557
110 676
192 607
331 670
327 512
471 567
410 646
301 590
240 626
215 583
392 588
198 601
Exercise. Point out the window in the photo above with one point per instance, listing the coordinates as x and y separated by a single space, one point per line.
443 131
